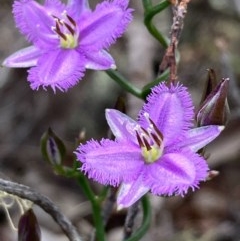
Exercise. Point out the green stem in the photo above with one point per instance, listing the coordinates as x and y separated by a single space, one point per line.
145 223
95 200
103 193
96 207
124 83
150 12
147 4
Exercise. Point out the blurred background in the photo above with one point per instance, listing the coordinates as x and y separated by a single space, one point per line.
210 39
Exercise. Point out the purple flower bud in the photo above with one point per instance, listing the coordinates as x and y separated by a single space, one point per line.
28 227
53 149
214 109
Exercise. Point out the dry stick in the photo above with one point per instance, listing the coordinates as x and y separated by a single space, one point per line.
169 59
109 204
45 203
129 222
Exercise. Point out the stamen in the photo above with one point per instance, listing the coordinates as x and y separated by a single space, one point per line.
61 34
147 145
58 27
145 131
156 139
55 17
61 22
156 129
69 28
71 20
139 140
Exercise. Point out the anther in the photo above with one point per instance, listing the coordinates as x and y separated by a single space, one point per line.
145 131
156 129
58 27
147 145
139 140
56 18
71 20
61 34
156 139
69 28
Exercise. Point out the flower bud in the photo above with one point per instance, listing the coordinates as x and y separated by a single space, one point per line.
53 149
214 109
28 227
211 83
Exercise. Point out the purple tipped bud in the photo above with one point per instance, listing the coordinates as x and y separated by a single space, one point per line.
214 109
53 149
28 227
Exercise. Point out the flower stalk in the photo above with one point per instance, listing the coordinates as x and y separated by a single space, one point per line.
124 83
149 13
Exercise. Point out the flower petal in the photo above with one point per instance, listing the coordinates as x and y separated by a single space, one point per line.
77 7
130 192
62 70
100 60
122 126
108 22
35 21
23 58
197 138
110 162
175 173
171 109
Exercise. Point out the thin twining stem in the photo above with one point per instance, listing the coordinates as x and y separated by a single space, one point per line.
149 13
45 203
124 83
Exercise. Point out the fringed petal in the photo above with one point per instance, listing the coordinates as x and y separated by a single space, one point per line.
60 69
110 162
35 21
175 173
103 26
171 109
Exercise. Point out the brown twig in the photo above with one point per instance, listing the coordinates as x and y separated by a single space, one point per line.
109 204
129 222
169 60
45 203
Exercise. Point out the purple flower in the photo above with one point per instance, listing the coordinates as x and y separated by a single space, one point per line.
157 153
67 39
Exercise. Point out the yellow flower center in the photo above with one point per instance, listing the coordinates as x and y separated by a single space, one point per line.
69 43
151 155
150 141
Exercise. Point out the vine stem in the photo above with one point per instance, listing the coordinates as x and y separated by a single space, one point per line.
150 12
94 199
124 83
